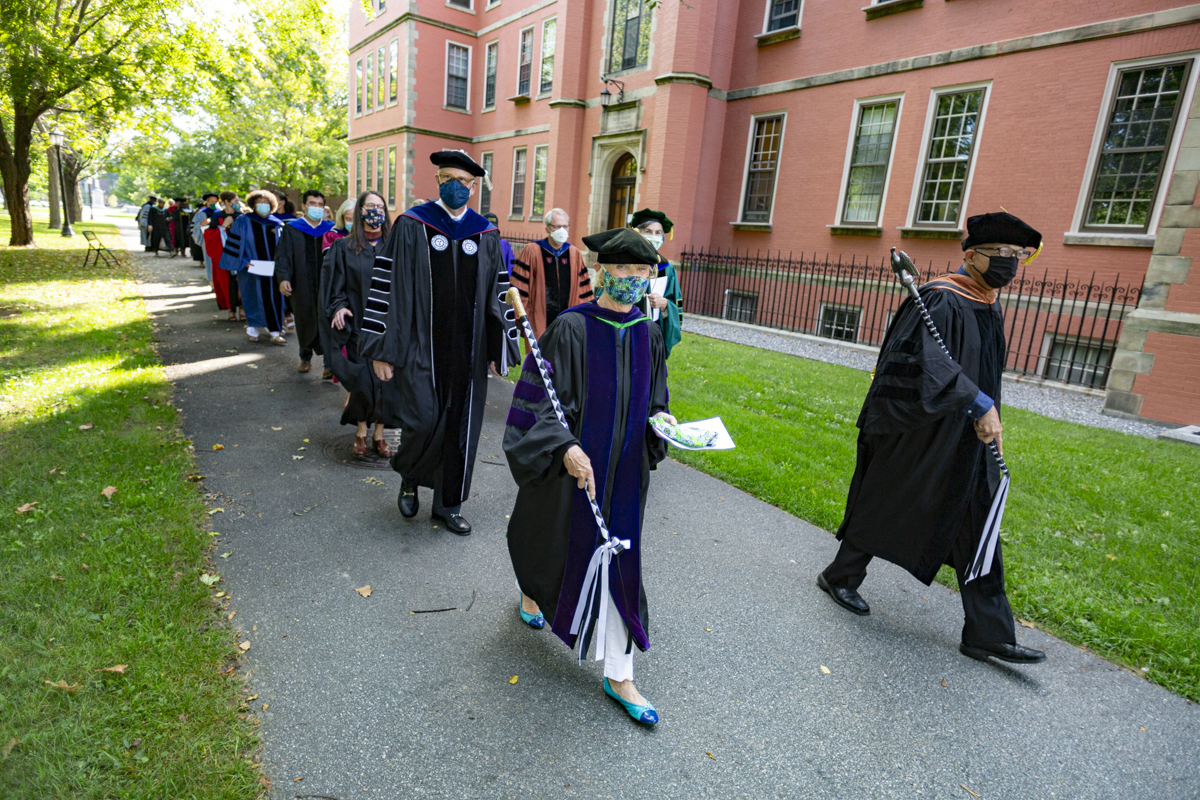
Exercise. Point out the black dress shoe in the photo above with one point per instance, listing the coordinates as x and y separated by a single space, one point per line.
846 598
1012 653
455 522
408 502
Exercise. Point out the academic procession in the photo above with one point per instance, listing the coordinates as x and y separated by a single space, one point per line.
598 272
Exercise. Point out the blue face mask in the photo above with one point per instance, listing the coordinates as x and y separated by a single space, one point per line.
263 209
454 194
626 291
349 225
315 213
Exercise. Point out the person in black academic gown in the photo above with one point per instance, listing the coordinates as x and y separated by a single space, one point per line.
925 479
608 368
159 228
436 318
298 271
346 286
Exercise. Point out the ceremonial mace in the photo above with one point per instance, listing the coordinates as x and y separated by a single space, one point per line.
981 564
611 546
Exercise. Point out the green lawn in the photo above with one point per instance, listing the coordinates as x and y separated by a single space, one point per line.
1101 532
94 581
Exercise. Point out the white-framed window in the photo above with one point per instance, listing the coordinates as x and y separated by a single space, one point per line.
485 194
368 87
491 58
762 167
356 92
463 4
393 65
953 124
782 14
380 171
630 45
380 77
1135 144
541 165
740 306
370 162
458 71
391 180
525 62
868 166
1076 360
840 322
380 7
518 182
358 173
546 77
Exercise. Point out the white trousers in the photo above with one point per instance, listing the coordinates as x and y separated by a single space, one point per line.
618 665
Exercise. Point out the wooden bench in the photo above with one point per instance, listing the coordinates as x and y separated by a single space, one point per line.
95 246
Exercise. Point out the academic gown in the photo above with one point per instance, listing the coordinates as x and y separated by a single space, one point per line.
346 283
298 261
669 320
608 385
923 482
160 229
435 313
252 237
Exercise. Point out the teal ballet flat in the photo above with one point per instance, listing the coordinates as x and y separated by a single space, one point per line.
532 620
646 714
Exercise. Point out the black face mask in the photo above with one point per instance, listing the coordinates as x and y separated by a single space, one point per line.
1000 271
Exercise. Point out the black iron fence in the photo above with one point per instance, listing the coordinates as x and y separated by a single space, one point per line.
1060 329
518 241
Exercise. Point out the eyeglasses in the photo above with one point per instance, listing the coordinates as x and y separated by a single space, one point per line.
442 180
372 205
1005 252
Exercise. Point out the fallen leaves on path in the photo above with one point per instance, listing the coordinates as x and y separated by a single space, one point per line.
824 670
244 646
365 591
1026 623
513 680
74 687
227 555
297 458
27 507
209 579
218 447
710 755
276 429
118 668
87 426
943 683
374 481
108 492
212 511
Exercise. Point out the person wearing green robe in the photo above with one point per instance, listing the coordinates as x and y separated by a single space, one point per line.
655 225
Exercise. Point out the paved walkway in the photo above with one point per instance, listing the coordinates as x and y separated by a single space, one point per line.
368 700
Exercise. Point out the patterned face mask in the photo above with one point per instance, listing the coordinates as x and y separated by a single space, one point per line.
626 291
372 217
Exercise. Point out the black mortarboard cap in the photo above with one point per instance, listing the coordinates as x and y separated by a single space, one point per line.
459 160
1000 228
621 246
647 214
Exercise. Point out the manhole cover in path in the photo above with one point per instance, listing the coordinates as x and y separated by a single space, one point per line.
341 451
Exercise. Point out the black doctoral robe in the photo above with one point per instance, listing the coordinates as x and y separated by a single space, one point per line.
608 385
435 313
298 261
923 481
346 282
160 229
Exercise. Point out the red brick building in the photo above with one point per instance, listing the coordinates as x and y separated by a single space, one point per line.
836 127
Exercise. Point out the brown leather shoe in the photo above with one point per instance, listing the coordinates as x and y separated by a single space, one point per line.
305 366
360 446
382 448
327 375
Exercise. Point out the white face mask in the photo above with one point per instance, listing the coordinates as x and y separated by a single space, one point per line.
655 239
559 235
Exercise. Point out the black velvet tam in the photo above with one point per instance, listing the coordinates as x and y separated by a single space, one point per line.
621 246
458 160
1000 228
648 214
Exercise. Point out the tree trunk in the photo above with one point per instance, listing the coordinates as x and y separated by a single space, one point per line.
52 184
14 170
71 170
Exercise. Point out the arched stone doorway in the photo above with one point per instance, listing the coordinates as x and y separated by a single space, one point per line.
622 190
